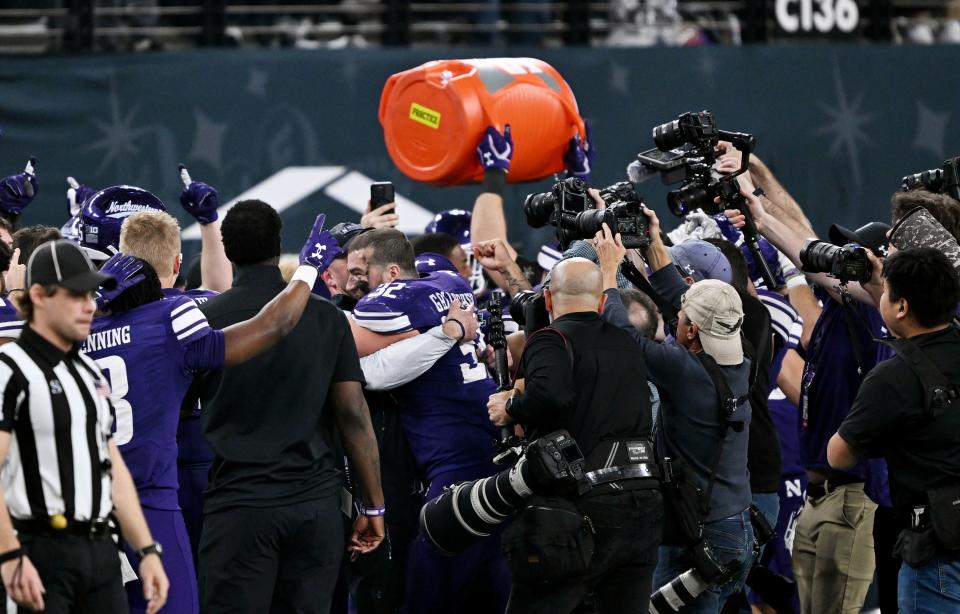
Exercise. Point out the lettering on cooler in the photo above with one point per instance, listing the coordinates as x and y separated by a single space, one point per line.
425 116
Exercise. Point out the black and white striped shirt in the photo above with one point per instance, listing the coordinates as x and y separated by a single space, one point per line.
54 405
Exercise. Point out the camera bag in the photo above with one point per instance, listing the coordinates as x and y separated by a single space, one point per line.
945 515
549 540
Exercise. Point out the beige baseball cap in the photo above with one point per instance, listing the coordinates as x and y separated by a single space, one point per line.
716 309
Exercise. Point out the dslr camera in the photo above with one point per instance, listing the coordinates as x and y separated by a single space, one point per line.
847 263
571 210
943 180
469 511
707 571
686 152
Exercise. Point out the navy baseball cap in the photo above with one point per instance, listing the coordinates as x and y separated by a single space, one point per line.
872 235
62 263
701 260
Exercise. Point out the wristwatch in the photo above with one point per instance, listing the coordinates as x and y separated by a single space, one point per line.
509 404
154 548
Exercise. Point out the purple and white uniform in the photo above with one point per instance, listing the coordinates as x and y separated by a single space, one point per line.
149 354
10 322
444 416
444 411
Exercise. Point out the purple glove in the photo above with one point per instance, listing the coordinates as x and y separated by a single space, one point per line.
728 230
17 191
321 246
496 150
77 194
579 157
126 270
199 199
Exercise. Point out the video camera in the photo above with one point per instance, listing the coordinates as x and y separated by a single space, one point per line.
686 152
847 263
570 208
469 511
943 180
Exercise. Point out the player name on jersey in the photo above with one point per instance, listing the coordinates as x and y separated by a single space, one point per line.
107 339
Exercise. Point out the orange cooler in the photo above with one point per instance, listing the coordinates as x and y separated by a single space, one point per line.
434 115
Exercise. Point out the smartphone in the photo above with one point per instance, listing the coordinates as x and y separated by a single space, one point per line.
381 193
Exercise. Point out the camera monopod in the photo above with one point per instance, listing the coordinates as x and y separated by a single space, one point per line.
510 446
731 198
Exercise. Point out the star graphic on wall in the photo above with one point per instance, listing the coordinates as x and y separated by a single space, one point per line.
208 140
931 128
257 82
846 125
619 78
119 132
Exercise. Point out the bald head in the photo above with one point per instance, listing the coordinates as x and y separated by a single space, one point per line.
576 284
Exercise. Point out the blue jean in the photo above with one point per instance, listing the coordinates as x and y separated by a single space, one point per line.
931 589
731 539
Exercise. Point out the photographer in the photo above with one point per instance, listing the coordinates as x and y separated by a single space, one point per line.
589 377
696 431
906 412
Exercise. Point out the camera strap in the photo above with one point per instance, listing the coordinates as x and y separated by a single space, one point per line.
728 405
849 311
938 391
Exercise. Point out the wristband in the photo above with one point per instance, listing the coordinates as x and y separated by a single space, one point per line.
373 511
494 180
759 192
307 274
463 330
9 555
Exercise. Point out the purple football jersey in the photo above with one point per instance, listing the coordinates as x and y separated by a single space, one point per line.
444 411
149 355
10 322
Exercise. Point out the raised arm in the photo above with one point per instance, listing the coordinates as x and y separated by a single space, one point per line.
202 201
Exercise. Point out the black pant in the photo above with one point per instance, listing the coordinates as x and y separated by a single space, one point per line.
80 576
628 526
271 559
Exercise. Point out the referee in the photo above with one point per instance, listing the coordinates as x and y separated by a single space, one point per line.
63 477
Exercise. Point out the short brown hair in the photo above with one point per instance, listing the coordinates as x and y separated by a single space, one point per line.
29 238
390 246
943 208
153 236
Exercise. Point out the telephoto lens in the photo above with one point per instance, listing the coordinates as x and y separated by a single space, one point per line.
847 263
469 511
707 571
538 208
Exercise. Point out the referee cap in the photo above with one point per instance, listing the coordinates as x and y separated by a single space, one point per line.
62 263
716 309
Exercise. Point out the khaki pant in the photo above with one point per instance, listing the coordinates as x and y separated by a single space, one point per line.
833 559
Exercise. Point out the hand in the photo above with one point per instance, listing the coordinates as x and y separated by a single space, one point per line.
579 156
597 199
126 270
368 532
23 583
496 150
15 277
490 358
199 199
321 247
77 194
497 408
610 253
493 255
379 218
155 582
467 317
17 191
875 286
653 224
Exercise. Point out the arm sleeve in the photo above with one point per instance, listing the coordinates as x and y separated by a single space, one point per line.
12 396
207 351
549 385
668 284
381 317
664 361
404 361
875 416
